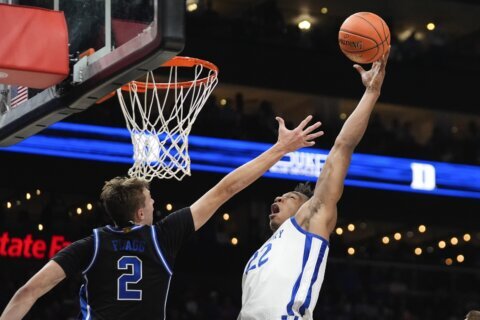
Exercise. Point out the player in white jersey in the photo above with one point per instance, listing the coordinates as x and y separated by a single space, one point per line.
282 279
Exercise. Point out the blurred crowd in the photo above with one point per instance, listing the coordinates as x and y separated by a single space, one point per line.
351 290
396 135
378 282
389 137
264 21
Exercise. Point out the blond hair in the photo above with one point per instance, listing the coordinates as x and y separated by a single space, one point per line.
122 197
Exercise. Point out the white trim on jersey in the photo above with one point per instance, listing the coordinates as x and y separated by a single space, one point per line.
166 298
159 251
97 244
84 305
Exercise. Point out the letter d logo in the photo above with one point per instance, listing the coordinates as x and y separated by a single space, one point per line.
423 176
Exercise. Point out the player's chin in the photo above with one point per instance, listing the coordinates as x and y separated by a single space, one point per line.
273 225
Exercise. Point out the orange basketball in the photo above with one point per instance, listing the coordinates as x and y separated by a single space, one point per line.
364 37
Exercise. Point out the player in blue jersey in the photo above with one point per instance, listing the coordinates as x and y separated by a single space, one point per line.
127 267
282 280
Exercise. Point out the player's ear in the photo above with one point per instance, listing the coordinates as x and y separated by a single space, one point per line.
139 215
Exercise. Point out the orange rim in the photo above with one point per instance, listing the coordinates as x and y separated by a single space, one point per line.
177 62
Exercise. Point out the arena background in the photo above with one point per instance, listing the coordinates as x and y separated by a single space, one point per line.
428 111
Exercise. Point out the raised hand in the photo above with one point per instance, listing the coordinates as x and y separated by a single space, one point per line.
373 78
301 136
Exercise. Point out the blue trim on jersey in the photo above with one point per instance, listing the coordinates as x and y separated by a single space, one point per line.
305 232
306 254
120 230
84 307
97 245
321 255
157 247
83 302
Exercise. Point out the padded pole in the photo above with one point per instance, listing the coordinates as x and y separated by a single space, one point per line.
4 98
108 24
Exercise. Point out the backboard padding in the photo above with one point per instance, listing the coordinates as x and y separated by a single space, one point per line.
130 59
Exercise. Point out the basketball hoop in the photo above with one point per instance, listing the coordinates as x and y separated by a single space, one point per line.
160 115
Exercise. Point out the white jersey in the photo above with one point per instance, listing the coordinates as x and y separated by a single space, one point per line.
282 280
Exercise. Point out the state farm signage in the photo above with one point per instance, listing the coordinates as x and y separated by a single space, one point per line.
29 248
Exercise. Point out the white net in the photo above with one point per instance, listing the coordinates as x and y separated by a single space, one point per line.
160 116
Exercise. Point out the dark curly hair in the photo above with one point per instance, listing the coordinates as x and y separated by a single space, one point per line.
305 189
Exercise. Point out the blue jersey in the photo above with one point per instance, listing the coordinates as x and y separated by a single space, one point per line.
127 271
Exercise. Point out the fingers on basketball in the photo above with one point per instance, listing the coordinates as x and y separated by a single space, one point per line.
359 68
387 53
385 56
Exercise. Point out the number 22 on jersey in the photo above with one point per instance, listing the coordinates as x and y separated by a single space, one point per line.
262 255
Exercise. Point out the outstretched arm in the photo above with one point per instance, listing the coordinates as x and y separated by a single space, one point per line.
42 282
237 180
319 214
473 315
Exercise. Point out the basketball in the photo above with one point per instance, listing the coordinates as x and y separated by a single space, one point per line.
364 37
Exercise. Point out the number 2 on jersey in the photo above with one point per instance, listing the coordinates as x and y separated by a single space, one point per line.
133 275
253 264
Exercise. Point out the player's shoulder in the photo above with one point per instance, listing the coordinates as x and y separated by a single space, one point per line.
179 216
294 227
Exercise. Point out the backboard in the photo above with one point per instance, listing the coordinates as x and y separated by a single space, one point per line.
128 38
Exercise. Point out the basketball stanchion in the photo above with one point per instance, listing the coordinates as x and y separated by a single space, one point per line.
160 115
